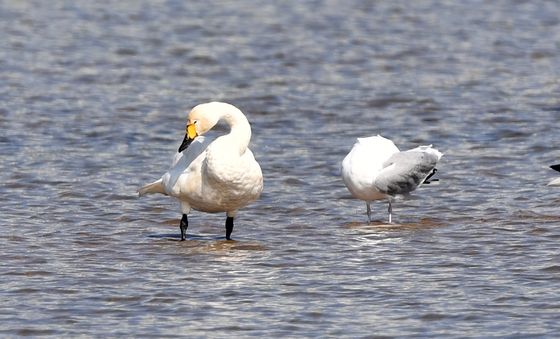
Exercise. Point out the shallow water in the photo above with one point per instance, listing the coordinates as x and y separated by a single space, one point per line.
93 101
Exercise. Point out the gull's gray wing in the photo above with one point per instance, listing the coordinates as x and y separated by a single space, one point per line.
403 172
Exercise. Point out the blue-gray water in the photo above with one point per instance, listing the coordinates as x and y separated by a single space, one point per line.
93 102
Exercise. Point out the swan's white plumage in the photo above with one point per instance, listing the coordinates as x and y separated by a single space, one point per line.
375 169
213 175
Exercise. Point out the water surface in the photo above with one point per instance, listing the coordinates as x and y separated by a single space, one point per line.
93 102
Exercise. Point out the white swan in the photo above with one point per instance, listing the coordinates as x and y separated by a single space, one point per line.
375 169
218 175
555 182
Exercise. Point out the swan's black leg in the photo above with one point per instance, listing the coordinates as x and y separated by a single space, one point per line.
229 227
183 226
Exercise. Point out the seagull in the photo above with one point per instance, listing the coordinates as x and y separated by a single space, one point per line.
555 182
375 169
212 175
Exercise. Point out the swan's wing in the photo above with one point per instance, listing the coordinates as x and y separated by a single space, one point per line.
182 162
185 158
253 173
403 172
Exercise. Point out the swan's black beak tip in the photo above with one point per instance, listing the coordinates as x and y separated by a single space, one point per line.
190 135
186 142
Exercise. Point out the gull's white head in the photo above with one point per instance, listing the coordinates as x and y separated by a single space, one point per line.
203 118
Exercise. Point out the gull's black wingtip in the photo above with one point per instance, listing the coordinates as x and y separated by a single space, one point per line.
556 167
427 180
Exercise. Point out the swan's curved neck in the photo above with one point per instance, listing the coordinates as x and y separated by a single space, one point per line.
240 130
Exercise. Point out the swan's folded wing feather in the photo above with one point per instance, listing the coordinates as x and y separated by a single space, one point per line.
197 146
182 164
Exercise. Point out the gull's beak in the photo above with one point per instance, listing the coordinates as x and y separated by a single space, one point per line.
189 137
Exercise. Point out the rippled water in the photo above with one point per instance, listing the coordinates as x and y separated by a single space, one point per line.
93 101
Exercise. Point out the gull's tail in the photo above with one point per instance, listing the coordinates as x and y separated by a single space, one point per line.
154 187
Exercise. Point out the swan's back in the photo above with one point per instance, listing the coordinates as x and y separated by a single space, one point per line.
234 175
214 177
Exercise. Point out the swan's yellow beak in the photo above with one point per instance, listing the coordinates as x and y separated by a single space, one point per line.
190 134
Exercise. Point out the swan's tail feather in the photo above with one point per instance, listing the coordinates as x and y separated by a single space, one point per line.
154 187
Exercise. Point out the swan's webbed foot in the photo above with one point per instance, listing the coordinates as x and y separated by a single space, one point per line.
229 227
184 225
